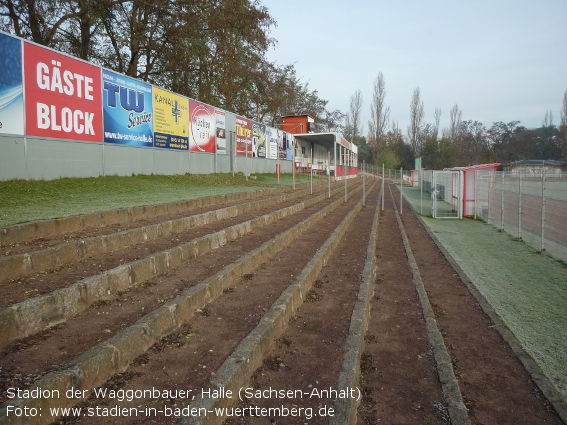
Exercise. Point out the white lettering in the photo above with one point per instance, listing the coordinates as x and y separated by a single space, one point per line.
42 116
67 120
77 119
42 71
89 116
69 89
54 125
79 78
69 83
56 83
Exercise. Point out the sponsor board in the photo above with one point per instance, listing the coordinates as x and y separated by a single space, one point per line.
128 110
63 96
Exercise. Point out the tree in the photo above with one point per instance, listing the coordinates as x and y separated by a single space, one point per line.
474 141
210 50
548 120
355 111
36 20
456 118
437 120
501 137
429 151
379 115
416 122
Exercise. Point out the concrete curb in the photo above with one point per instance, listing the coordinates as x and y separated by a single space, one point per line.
236 371
346 408
449 384
21 265
544 384
95 366
39 313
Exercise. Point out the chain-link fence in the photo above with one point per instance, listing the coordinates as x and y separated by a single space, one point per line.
530 207
398 176
441 193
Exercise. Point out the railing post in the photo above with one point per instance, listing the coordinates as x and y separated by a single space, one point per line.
329 172
489 187
401 186
502 203
382 193
420 180
520 205
543 178
476 188
293 172
344 177
363 185
433 195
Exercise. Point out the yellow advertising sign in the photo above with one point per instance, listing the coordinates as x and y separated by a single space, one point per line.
171 120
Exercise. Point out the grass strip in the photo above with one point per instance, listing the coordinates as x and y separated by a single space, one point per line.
30 200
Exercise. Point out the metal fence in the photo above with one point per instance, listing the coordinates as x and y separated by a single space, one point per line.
531 207
443 191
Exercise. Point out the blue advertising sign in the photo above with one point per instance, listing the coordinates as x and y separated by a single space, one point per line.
128 110
11 86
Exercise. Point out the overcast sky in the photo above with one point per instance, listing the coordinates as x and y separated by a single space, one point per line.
499 60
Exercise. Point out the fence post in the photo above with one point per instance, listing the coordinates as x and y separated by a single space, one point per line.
311 175
420 180
489 186
460 194
543 178
232 141
476 188
520 204
382 192
401 187
293 171
502 203
363 185
344 177
433 195
329 172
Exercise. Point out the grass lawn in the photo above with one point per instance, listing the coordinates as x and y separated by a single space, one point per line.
22 201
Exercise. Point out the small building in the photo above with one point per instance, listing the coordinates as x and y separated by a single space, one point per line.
298 124
321 153
467 177
536 167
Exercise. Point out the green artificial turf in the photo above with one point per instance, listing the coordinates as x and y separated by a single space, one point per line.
527 289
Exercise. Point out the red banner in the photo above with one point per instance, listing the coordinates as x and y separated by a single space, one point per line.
63 96
243 136
351 171
202 125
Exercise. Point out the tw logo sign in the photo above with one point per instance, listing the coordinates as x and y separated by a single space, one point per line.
130 100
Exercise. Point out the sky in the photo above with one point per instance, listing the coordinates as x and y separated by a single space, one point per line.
498 60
